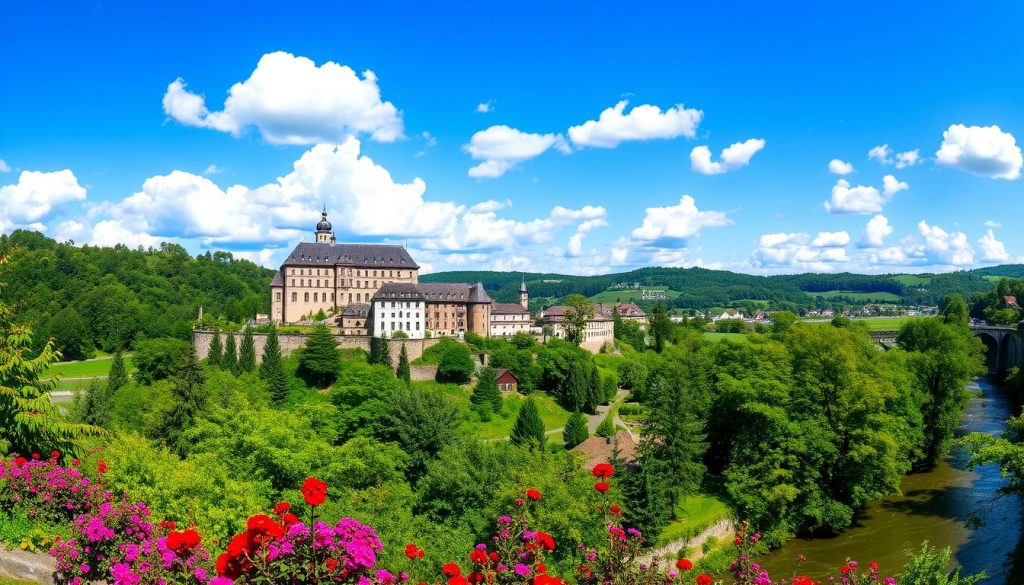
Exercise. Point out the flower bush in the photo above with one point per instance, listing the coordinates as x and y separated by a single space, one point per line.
116 541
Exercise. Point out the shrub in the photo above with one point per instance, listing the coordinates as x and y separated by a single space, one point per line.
156 359
456 364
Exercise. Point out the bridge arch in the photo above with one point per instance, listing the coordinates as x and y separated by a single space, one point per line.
993 351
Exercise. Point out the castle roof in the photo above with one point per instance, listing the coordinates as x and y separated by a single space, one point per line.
398 291
360 255
278 279
355 310
477 294
454 292
508 309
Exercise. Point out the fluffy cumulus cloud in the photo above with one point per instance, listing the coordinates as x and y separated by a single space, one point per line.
35 197
4 167
986 151
875 232
485 230
839 167
881 153
942 247
863 199
672 225
797 251
644 122
908 158
291 100
992 250
485 107
733 157
501 148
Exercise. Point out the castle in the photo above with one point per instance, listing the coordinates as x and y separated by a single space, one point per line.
374 289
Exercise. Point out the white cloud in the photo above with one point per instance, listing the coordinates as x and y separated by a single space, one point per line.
112 232
502 147
485 107
875 232
291 100
892 186
733 157
986 151
669 227
881 153
213 170
839 167
942 247
992 250
429 138
862 199
575 244
69 230
993 224
484 230
908 158
4 167
831 239
644 122
35 197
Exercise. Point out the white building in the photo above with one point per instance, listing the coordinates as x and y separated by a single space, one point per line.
398 306
507 319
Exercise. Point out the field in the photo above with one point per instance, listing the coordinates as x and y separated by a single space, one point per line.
85 369
874 323
692 515
715 337
630 295
868 297
912 279
500 425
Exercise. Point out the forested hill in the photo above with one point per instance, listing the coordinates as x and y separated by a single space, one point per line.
105 298
701 288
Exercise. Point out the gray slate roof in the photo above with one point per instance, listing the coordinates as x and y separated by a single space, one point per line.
405 291
508 309
361 255
355 310
446 291
278 279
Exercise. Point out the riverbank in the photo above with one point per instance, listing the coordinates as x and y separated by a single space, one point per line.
948 506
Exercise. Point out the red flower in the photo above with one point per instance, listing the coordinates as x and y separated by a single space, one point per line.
451 570
602 487
183 541
315 491
55 454
615 510
478 556
458 580
475 578
684 564
737 541
704 579
262 525
75 462
101 466
603 470
35 455
844 569
168 525
542 579
800 580
332 565
240 544
19 461
545 541
533 494
413 552
282 507
540 568
495 557
873 566
289 519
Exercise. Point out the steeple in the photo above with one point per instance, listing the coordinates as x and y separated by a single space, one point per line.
524 297
324 233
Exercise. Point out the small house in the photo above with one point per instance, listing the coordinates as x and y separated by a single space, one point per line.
506 380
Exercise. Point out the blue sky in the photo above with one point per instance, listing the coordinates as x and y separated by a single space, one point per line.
495 137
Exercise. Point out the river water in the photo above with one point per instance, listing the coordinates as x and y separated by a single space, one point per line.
948 506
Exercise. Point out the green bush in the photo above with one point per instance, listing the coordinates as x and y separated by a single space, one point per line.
456 364
156 359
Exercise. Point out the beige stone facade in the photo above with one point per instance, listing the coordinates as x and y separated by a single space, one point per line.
453 309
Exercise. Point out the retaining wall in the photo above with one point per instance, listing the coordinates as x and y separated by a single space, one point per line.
289 342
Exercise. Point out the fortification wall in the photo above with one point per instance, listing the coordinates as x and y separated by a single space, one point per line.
289 342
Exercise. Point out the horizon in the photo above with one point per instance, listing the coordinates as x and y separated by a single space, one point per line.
762 141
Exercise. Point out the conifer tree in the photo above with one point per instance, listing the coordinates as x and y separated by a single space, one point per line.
320 359
528 430
606 428
215 356
403 372
380 353
187 403
230 360
118 375
648 501
575 430
486 390
594 395
271 369
247 354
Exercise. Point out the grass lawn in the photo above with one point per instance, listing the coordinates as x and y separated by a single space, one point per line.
880 297
692 515
630 295
715 337
875 323
85 369
500 425
12 581
912 279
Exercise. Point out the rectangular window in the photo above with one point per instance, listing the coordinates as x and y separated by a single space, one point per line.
277 296
295 297
314 297
306 297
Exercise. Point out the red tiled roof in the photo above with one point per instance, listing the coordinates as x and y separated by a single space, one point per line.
599 449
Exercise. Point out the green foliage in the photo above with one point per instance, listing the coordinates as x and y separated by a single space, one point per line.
606 429
247 353
575 430
380 352
230 360
993 305
609 388
319 359
70 334
156 359
188 401
730 326
402 372
456 364
632 333
271 369
930 566
661 327
955 311
486 390
422 423
580 311
518 360
648 498
1006 451
215 355
362 394
570 374
528 430
782 321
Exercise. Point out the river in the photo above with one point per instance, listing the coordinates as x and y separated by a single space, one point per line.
948 506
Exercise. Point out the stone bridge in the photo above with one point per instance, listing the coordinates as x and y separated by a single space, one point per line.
1004 347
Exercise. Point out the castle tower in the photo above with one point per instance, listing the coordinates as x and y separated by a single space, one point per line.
524 297
324 233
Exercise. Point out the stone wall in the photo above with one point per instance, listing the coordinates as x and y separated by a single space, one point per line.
291 341
421 373
25 565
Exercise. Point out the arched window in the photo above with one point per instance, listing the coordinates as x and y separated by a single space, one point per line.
306 297
314 297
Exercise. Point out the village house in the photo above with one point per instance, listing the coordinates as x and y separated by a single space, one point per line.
507 381
728 314
600 329
507 319
627 311
597 449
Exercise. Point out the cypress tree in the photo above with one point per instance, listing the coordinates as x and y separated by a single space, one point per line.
271 369
575 430
215 356
528 430
380 353
486 390
230 360
118 376
320 359
593 390
247 355
188 400
647 497
606 428
403 372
